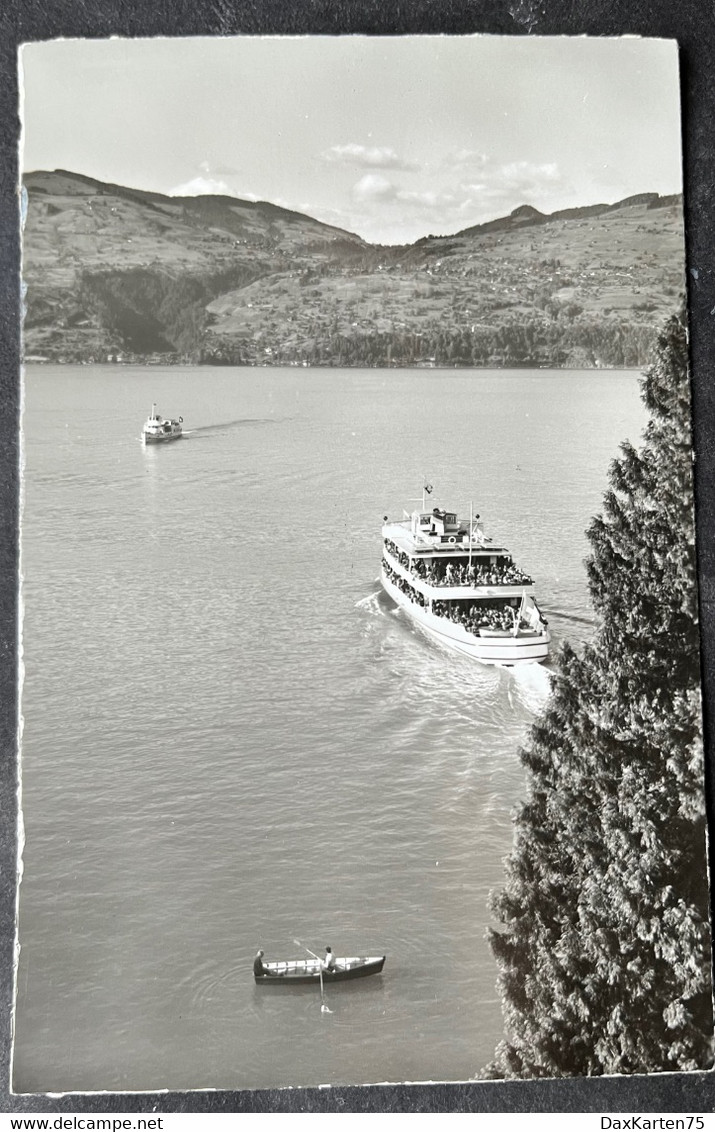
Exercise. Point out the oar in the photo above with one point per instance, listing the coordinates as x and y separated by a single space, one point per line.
323 1008
299 944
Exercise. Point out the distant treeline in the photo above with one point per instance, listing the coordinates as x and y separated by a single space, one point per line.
584 342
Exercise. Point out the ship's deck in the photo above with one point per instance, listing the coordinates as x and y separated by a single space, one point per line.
424 544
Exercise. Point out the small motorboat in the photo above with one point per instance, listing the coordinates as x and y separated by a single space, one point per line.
157 429
309 970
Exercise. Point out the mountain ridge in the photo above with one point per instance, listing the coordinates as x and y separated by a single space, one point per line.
150 196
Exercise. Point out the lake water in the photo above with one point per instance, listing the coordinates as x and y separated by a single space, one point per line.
231 740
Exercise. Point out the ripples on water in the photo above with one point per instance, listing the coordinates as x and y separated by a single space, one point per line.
232 739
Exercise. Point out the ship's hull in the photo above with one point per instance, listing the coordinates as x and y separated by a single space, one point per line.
301 971
150 439
489 649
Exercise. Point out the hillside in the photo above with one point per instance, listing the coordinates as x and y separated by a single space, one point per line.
116 272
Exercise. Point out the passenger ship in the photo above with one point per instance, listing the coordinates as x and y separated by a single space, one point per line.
157 430
462 590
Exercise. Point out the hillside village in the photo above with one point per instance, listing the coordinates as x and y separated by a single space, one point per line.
115 274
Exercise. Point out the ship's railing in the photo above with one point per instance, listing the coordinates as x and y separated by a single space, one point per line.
455 593
402 584
450 541
484 578
498 618
495 618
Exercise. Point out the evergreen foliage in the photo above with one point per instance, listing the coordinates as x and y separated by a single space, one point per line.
318 339
604 956
148 310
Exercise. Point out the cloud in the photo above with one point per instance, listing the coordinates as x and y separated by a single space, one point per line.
517 182
386 212
367 157
428 199
469 189
209 186
201 186
516 176
465 158
374 187
529 174
485 179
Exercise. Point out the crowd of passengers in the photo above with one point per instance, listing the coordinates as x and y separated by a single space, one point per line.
397 580
486 615
438 572
397 553
476 617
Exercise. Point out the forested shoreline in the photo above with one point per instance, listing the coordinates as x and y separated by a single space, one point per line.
587 344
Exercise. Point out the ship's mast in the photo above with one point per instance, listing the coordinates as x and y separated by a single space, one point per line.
518 613
471 532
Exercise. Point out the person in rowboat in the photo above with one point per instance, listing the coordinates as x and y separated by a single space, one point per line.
329 961
258 968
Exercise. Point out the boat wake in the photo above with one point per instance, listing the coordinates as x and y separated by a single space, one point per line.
431 670
577 618
533 685
203 986
224 426
372 604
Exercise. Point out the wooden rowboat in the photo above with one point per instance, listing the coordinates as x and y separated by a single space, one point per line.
308 970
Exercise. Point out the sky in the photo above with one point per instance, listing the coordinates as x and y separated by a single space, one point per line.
393 138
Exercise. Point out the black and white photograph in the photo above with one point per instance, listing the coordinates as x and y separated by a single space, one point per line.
361 719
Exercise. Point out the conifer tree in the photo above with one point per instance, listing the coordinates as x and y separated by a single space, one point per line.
604 954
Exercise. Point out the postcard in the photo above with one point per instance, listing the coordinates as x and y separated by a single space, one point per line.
361 706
